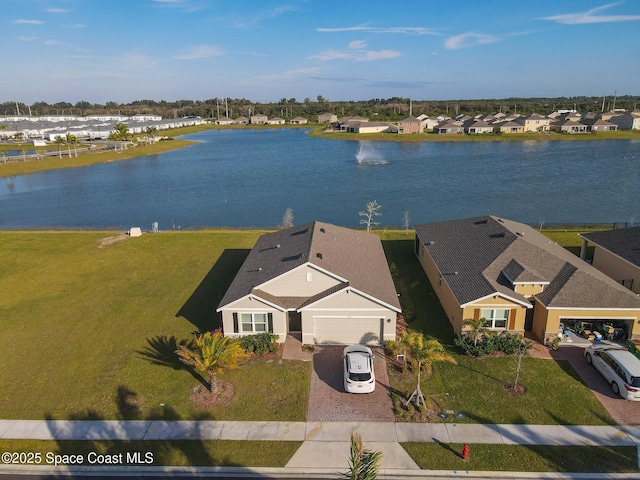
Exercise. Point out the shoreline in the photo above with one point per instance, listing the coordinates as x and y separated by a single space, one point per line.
17 168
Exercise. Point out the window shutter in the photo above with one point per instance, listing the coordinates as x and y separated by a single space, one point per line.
512 319
235 323
270 322
476 314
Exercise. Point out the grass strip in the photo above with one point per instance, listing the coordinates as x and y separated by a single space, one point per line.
157 453
525 458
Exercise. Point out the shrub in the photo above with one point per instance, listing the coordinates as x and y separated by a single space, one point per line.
260 343
392 347
489 343
308 347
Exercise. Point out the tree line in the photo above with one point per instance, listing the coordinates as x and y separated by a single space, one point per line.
391 109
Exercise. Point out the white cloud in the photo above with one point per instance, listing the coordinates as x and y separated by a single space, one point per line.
468 40
201 51
290 74
356 50
76 25
52 42
57 10
590 16
29 22
27 39
401 30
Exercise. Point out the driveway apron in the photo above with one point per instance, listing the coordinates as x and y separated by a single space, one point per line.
328 402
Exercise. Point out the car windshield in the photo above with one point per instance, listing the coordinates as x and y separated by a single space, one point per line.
360 377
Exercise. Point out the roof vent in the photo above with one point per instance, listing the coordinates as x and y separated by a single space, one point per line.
319 255
278 246
520 234
431 242
322 230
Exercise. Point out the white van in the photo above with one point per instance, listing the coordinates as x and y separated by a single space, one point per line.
620 367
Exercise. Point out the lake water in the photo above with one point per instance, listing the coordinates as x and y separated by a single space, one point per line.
249 177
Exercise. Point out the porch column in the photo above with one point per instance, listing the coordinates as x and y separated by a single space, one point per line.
583 249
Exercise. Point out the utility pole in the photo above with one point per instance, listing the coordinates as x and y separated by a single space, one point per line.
603 98
615 96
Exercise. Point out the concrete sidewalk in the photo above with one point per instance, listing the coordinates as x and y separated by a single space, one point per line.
325 446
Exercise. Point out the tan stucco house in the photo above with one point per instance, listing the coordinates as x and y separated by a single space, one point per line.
617 254
332 284
517 279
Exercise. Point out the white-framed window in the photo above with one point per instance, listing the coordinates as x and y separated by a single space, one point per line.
253 322
495 317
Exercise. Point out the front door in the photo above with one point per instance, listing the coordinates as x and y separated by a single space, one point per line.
295 321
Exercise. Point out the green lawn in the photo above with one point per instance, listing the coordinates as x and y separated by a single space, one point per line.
89 332
531 458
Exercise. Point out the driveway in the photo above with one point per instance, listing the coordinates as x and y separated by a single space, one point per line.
328 402
624 412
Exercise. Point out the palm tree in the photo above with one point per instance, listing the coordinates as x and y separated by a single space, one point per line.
423 353
59 140
363 464
476 328
212 354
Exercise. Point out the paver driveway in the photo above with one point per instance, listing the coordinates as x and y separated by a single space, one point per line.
328 402
624 412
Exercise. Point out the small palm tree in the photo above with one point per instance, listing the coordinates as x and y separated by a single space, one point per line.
476 328
59 141
363 464
212 353
423 353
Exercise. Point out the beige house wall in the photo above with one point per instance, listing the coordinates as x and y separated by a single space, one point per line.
347 305
616 268
305 281
249 305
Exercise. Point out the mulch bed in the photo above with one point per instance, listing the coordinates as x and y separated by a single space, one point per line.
203 398
515 391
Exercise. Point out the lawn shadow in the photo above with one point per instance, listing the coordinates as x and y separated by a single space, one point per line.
161 350
200 307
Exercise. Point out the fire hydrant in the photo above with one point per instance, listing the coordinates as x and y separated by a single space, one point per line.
465 451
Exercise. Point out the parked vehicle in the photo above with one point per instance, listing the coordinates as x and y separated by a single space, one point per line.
359 376
619 367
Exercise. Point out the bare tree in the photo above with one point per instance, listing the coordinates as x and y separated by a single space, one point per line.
406 221
369 214
287 218
541 222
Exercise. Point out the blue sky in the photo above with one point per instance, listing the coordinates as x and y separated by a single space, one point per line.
124 50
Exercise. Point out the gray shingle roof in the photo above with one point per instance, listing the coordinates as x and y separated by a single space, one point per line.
472 255
355 256
624 242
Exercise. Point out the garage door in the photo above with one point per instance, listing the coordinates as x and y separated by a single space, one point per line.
348 330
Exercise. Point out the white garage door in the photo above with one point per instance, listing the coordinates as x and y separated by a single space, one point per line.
348 330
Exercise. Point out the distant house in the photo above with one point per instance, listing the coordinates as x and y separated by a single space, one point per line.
449 127
368 127
569 126
536 123
509 126
599 125
332 284
617 254
146 117
298 121
517 280
477 126
626 121
274 121
224 121
259 119
327 118
410 125
241 121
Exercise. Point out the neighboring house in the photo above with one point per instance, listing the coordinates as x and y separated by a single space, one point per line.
327 118
366 127
410 125
509 126
517 279
298 121
536 123
330 283
241 121
599 125
448 127
259 119
569 126
275 121
626 121
224 121
474 126
617 254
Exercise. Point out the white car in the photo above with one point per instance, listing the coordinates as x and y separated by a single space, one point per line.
619 367
359 376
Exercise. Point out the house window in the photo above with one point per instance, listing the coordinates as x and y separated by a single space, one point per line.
496 317
254 322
